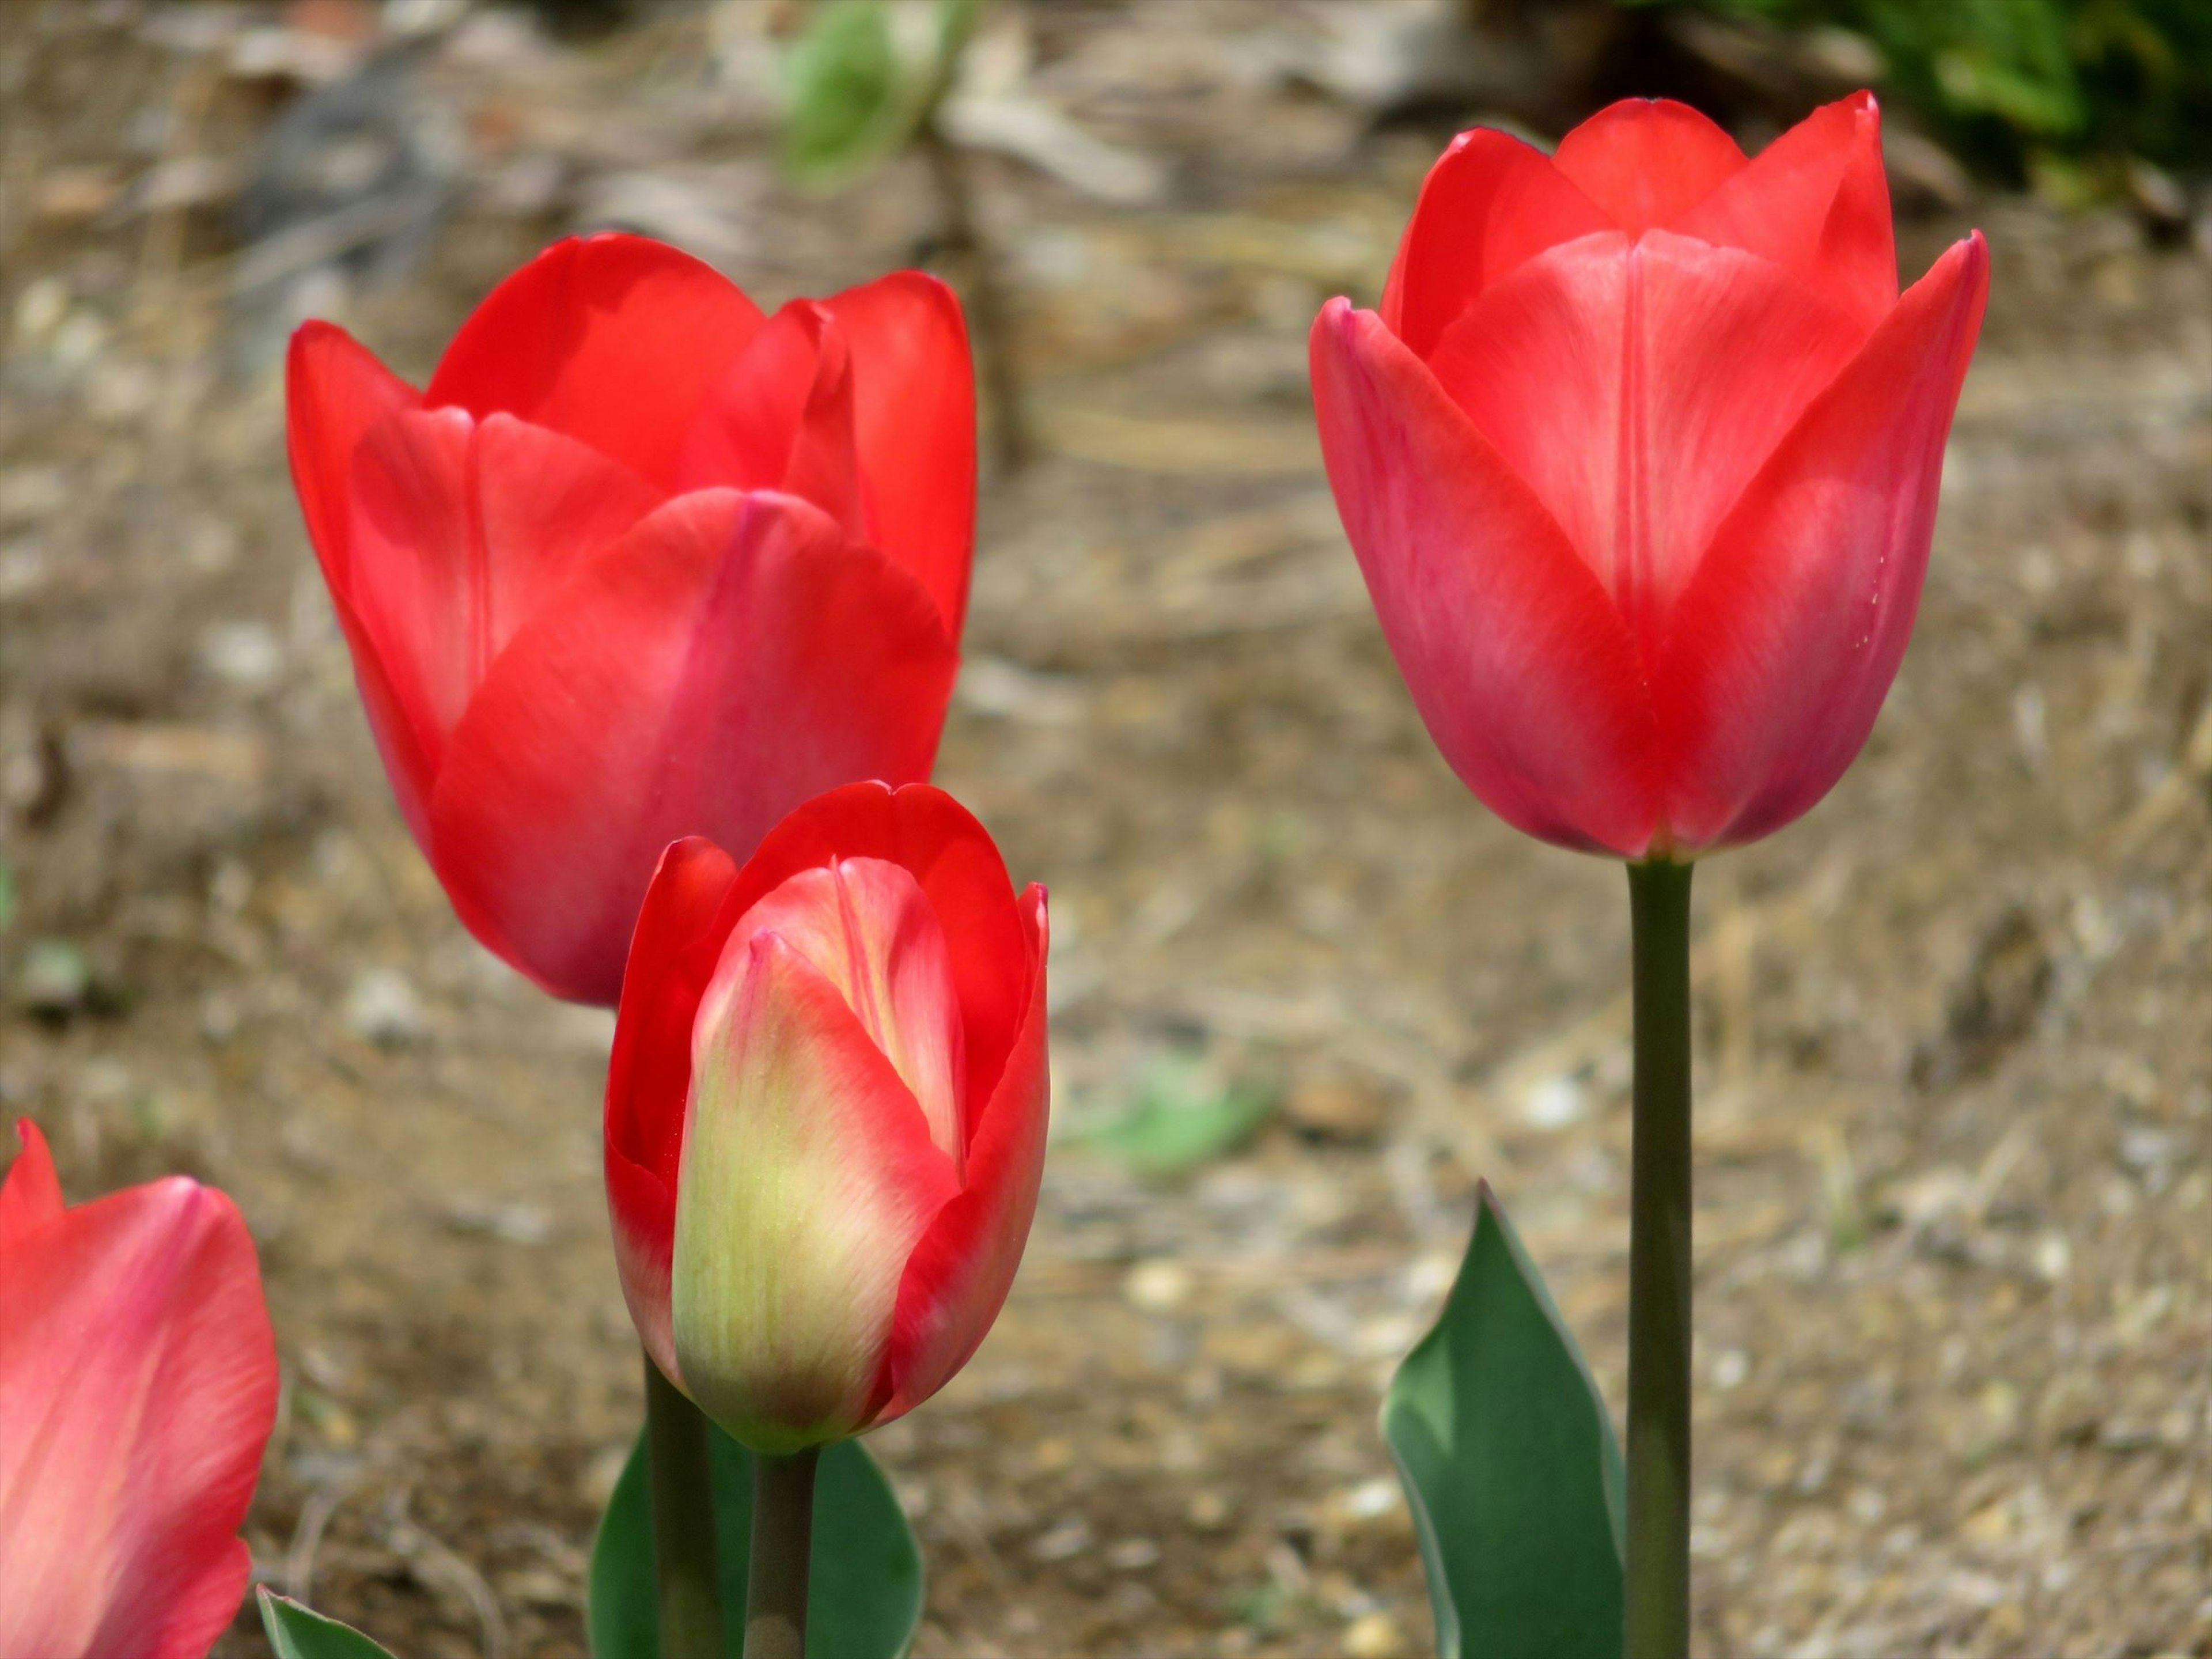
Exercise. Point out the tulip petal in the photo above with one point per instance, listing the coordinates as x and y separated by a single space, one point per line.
914 389
1785 642
1647 161
335 392
1637 387
865 925
923 830
1816 203
1489 202
1517 660
782 418
958 1275
615 341
733 654
808 1175
137 1388
32 1195
461 529
672 957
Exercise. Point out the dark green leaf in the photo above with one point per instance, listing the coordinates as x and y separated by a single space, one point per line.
865 1598
298 1632
1510 1466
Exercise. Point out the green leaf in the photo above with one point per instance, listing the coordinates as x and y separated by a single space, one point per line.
864 1597
1510 1466
1182 1117
848 103
298 1632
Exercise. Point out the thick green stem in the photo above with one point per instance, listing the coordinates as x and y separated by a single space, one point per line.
1658 1586
682 1523
783 1548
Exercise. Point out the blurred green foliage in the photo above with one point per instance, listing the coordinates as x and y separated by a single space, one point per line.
1182 1117
861 81
2023 88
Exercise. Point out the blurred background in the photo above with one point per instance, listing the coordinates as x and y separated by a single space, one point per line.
1955 1228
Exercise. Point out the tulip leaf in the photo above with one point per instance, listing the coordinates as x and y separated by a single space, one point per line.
1510 1466
864 1598
847 102
300 1632
1183 1116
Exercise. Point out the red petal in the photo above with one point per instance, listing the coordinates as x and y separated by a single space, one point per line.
731 656
334 393
1647 161
925 831
1517 660
1489 202
1816 202
614 340
1637 387
672 955
914 390
1785 643
782 418
958 1275
137 1388
32 1195
461 530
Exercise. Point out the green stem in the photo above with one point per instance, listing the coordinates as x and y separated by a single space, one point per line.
783 1548
1658 1582
682 1523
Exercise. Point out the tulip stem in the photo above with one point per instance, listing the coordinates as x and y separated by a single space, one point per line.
690 1588
1658 1575
783 1549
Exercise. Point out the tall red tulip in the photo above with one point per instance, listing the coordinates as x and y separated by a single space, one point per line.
825 1112
1639 459
640 562
137 1388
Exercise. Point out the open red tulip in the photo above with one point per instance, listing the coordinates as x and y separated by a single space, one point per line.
640 562
1640 459
825 1112
137 1388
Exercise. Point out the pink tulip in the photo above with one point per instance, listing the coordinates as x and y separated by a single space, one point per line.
137 1388
826 1112
1640 458
639 563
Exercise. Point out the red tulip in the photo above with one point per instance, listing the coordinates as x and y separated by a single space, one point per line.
137 1388
1640 458
640 563
826 1112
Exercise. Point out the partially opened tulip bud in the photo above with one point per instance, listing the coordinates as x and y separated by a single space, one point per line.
138 1389
639 563
826 1112
1640 458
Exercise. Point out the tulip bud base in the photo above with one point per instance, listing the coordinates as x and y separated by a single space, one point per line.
1658 1567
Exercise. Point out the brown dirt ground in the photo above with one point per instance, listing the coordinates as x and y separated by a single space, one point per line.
1956 1130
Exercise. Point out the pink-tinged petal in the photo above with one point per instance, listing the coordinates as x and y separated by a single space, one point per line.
335 392
1784 645
865 925
615 340
914 389
1816 203
672 956
1637 387
462 529
1647 161
32 1195
782 418
958 1275
137 1388
808 1175
925 831
1489 202
1517 660
733 655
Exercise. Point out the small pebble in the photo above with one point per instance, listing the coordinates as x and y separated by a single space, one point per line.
1373 1635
